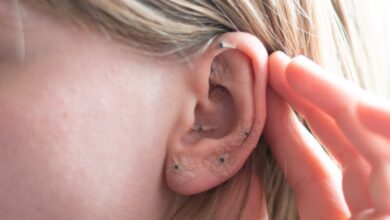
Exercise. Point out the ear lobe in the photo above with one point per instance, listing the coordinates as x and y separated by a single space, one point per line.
220 130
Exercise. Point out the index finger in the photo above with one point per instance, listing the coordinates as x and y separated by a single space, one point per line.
315 179
338 98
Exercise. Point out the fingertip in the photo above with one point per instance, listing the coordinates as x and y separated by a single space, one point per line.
304 61
301 58
278 53
302 74
277 63
278 60
301 64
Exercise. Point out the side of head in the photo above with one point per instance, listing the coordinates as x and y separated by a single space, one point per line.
93 123
159 101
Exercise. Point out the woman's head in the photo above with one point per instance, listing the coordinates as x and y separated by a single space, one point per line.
110 103
96 127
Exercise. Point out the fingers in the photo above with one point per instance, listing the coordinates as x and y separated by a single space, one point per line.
338 98
374 115
331 94
320 123
356 170
312 92
277 64
314 177
369 214
356 185
380 188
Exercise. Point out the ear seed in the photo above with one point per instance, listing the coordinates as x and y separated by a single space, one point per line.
222 159
180 169
221 163
246 133
201 127
224 44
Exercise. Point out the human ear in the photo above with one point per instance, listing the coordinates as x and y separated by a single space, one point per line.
222 120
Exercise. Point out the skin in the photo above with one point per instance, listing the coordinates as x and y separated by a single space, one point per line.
353 127
88 127
75 140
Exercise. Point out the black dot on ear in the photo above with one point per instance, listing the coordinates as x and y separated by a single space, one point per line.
176 167
221 159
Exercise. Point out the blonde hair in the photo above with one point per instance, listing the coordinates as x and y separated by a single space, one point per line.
327 31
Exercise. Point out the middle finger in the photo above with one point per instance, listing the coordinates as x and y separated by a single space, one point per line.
338 98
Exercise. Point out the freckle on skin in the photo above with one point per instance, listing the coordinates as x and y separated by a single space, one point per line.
65 115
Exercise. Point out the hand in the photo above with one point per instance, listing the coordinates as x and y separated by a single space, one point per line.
352 126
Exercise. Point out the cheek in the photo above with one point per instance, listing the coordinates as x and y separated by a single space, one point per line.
78 146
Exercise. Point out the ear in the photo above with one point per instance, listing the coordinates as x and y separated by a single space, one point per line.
223 119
